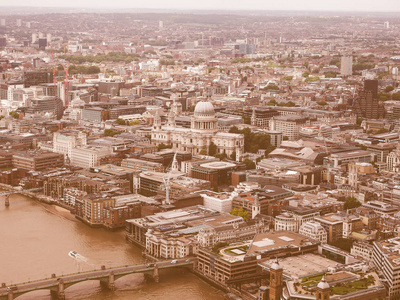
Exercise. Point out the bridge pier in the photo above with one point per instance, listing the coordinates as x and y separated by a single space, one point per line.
108 283
60 293
10 295
156 277
7 201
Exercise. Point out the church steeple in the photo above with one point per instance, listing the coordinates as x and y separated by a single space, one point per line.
253 117
171 118
256 208
157 121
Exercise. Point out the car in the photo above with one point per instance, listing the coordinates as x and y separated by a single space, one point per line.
149 265
174 261
188 260
12 288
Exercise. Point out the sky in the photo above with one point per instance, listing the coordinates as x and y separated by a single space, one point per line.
315 5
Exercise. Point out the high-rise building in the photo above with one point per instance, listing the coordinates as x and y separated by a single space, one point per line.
3 41
42 43
19 23
3 22
367 105
346 68
34 38
386 25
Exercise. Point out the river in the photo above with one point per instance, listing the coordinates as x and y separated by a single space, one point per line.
36 239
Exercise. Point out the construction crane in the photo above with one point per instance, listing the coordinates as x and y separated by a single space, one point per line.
66 82
174 167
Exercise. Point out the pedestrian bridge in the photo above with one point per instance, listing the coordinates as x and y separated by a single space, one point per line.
16 191
107 277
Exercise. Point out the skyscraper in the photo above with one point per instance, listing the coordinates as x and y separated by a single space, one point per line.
346 68
367 105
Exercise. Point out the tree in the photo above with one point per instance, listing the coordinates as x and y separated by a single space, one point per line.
351 202
246 119
134 122
233 155
287 78
240 213
388 89
272 102
163 146
120 121
285 138
271 87
14 114
212 149
396 96
250 165
322 103
254 141
203 152
111 132
306 74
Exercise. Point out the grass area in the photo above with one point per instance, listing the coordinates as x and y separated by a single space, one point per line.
350 287
311 280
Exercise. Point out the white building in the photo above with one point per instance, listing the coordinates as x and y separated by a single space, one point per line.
202 133
221 204
289 125
315 231
88 156
287 222
346 67
362 250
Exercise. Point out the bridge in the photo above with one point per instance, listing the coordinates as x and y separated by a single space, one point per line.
107 277
8 193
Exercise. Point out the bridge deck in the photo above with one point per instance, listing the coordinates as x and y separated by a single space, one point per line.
70 279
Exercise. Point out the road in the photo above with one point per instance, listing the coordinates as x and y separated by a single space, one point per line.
90 275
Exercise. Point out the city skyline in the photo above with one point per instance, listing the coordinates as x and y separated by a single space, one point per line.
225 5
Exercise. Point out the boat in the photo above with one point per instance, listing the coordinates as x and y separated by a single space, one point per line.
73 254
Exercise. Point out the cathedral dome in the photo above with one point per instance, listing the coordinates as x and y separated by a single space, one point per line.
204 108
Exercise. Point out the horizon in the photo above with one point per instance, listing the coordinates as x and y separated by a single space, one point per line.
340 6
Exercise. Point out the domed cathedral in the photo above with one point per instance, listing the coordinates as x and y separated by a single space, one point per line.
203 131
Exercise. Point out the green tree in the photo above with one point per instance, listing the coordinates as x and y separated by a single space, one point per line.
250 165
322 103
312 79
271 87
351 202
14 114
203 152
306 74
212 149
254 141
111 132
134 122
287 78
240 213
285 138
120 121
388 89
163 146
396 96
246 119
272 102
233 155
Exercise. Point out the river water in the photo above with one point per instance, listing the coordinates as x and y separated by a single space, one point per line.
35 239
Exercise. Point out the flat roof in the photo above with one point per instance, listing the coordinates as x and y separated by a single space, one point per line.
302 265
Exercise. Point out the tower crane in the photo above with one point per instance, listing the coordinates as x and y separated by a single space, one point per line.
166 179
